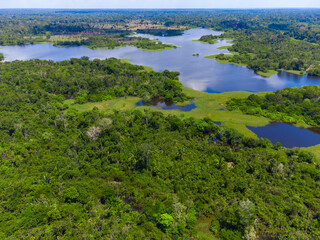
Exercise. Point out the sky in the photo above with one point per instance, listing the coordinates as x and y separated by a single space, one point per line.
159 3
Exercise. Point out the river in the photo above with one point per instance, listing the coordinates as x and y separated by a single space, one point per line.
197 72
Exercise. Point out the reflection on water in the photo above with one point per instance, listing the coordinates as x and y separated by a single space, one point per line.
156 102
196 72
288 135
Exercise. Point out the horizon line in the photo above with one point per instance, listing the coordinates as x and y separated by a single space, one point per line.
62 8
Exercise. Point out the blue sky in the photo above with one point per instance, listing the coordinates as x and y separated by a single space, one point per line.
159 3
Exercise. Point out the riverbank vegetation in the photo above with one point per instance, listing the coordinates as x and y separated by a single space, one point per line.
137 174
293 105
1 57
266 53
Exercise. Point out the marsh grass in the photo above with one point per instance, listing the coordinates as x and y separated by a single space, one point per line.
208 105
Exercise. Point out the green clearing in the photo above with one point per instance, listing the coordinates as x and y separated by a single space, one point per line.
108 105
208 105
203 226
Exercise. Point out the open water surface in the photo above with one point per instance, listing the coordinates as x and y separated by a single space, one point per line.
196 72
288 135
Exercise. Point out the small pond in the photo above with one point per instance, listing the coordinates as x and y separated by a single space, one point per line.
288 135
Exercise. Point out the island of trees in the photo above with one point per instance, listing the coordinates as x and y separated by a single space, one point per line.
117 41
210 39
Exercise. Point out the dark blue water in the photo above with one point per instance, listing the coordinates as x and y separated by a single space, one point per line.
288 135
196 72
167 105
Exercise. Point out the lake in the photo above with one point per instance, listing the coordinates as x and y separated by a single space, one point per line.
197 72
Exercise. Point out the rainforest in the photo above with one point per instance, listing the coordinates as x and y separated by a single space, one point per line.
86 153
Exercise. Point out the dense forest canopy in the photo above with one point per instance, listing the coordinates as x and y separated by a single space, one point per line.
137 175
86 80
